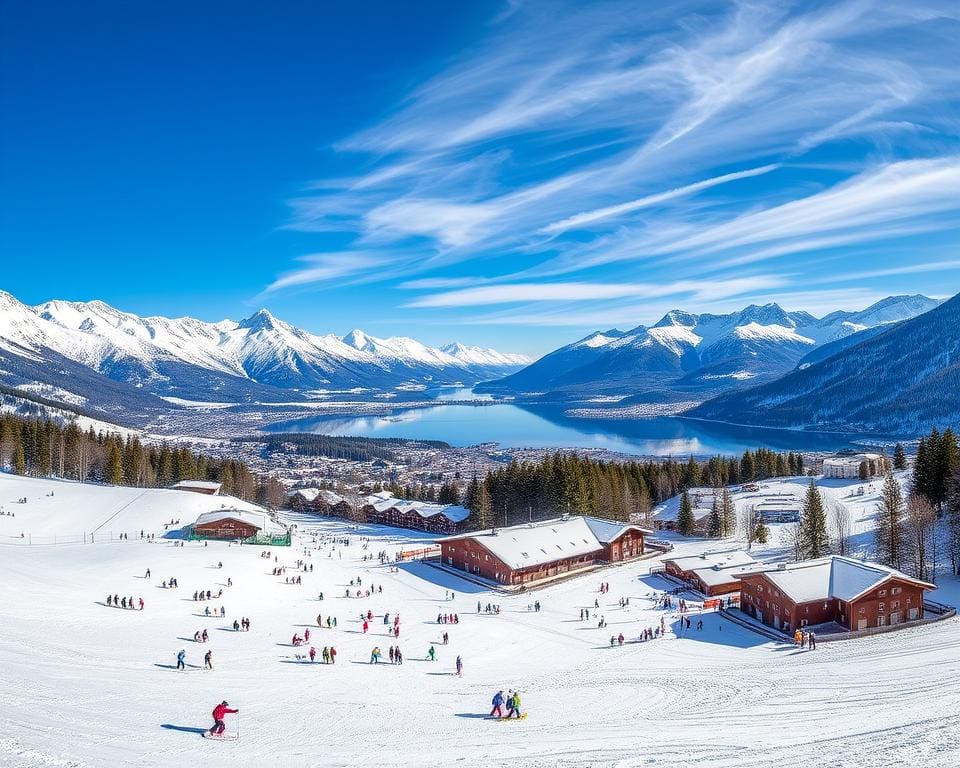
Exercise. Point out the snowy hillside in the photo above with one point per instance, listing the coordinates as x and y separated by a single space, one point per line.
258 358
88 685
690 353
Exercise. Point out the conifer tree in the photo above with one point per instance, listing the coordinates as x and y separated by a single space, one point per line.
715 526
889 532
728 514
482 511
114 469
685 521
762 534
19 459
899 457
813 524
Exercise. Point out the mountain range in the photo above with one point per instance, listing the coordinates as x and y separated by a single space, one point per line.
90 351
903 379
695 356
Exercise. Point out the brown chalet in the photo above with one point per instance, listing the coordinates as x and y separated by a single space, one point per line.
229 524
524 554
855 594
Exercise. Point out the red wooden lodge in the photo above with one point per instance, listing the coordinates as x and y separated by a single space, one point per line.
855 594
524 554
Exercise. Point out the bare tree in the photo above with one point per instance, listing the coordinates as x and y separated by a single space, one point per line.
920 527
748 524
793 538
839 527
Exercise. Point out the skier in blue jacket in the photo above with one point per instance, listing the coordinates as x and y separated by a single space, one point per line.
181 656
497 704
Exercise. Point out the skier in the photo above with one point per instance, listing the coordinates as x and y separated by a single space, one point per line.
514 706
812 638
432 653
497 704
148 573
459 667
313 653
219 712
306 635
181 660
333 655
208 660
326 655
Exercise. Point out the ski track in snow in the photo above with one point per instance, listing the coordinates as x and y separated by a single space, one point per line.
86 686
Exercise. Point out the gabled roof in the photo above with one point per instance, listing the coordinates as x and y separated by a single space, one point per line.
843 578
727 558
532 544
257 519
609 530
383 501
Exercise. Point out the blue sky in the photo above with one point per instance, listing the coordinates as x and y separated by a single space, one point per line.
513 174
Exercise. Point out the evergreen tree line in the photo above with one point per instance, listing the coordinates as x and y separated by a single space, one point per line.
568 483
44 448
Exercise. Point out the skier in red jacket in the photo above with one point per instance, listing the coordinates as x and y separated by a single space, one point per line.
219 712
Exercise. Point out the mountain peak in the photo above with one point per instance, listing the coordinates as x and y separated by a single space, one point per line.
356 339
677 317
766 314
261 320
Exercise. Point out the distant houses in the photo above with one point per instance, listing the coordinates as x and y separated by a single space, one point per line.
781 508
385 509
536 552
320 501
854 594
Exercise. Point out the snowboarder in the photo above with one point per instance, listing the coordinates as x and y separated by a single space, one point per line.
497 704
514 705
219 712
181 659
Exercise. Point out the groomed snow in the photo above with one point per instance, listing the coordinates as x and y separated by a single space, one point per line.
86 685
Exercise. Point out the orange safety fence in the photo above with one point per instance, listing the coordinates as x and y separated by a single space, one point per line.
418 554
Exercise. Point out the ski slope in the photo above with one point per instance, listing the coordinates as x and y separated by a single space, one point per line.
88 685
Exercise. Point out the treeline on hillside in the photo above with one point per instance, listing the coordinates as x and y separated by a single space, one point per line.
333 447
569 483
44 448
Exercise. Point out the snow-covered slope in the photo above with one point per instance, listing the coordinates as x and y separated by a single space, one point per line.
689 352
89 686
259 357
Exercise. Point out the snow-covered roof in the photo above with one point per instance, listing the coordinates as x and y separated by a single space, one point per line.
724 574
383 501
608 530
523 546
307 494
843 578
200 485
531 544
258 519
708 560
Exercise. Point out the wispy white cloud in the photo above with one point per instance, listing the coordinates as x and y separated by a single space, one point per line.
638 148
576 291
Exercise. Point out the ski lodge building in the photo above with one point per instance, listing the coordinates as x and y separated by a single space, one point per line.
232 524
197 486
855 594
712 573
385 509
525 554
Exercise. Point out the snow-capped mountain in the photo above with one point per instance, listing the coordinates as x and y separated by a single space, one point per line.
258 358
687 352
900 378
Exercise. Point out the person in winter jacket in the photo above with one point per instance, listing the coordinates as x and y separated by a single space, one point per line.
514 704
219 712
181 659
497 704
